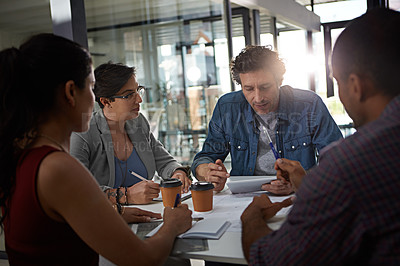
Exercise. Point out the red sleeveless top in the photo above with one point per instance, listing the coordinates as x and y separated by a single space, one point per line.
31 237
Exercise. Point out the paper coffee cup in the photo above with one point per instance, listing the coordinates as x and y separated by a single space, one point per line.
202 196
170 187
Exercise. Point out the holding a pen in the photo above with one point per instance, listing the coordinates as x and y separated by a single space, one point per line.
280 184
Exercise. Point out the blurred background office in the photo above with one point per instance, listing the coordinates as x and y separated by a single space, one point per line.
181 48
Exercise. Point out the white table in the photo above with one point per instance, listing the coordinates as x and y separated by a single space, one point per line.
229 247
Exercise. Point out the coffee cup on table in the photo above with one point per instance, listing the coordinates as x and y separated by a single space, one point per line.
170 187
202 196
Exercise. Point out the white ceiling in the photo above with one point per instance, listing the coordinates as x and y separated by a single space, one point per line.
27 17
33 16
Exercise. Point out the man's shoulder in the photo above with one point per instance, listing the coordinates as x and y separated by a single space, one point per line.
295 95
234 97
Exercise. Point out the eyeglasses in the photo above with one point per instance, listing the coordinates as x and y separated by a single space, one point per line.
140 91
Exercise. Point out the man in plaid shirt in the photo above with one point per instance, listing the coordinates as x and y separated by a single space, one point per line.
347 209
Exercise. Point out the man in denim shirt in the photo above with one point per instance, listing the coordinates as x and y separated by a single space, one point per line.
297 121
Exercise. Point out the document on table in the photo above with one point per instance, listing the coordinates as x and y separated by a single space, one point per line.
231 205
244 184
212 228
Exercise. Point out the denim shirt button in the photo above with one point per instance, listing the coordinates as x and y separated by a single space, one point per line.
280 151
293 147
239 147
304 144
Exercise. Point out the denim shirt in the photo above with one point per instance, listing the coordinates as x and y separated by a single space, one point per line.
304 128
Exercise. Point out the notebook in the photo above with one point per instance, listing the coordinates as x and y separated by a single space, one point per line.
211 228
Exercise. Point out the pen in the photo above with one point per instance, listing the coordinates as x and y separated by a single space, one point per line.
177 200
270 144
276 154
138 176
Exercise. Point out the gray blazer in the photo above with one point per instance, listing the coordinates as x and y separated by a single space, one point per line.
95 149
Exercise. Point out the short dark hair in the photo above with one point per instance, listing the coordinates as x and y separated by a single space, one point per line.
110 78
253 58
370 47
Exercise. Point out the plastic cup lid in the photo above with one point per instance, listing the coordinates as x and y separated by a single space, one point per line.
170 182
201 186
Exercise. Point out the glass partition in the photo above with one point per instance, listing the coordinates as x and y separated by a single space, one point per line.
180 51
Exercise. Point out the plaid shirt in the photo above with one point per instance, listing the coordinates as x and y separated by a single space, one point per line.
347 210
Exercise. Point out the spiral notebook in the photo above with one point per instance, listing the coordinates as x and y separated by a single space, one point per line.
211 228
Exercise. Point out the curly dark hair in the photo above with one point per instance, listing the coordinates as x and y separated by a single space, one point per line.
253 58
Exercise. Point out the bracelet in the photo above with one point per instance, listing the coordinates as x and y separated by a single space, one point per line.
117 196
126 196
119 208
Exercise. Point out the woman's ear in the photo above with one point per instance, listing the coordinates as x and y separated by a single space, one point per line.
106 102
70 92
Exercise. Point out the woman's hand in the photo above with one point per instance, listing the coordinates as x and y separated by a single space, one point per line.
178 219
136 215
143 192
186 182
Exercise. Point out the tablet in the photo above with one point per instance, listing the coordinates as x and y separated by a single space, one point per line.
244 184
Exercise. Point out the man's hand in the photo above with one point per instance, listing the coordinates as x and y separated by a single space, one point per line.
290 171
186 182
254 219
278 187
143 192
262 207
136 215
215 173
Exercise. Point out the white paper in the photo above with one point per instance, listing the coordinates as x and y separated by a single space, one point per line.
231 206
212 228
244 184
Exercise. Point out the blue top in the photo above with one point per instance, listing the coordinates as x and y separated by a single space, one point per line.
133 163
304 127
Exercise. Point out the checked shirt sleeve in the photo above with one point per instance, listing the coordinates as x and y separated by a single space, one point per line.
317 225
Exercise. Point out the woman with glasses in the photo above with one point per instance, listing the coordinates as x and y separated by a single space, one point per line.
53 211
119 149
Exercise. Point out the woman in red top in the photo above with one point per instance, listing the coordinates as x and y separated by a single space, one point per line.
53 210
